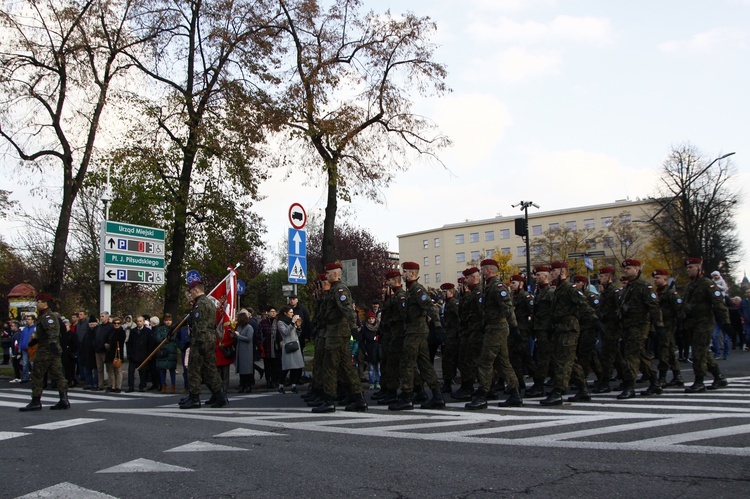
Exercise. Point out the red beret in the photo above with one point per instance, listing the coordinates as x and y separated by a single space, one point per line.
469 271
44 297
461 280
559 265
607 270
693 261
517 277
332 266
657 272
447 285
581 278
322 276
631 262
392 273
194 284
488 261
410 266
541 268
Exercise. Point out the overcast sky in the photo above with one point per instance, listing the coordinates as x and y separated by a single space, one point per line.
564 103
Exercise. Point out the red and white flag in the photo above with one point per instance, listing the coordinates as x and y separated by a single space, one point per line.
225 299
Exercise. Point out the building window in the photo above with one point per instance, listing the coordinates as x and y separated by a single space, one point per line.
427 278
460 257
475 256
606 221
571 225
591 243
437 242
489 235
437 259
438 277
425 244
505 251
489 253
474 237
609 242
536 250
625 218
427 261
588 223
536 230
504 233
459 238
554 226
521 250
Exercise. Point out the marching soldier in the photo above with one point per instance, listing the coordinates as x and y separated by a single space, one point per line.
202 359
471 333
638 307
415 352
590 324
703 307
452 342
392 322
499 321
313 397
566 308
607 311
47 360
340 324
518 347
542 322
670 304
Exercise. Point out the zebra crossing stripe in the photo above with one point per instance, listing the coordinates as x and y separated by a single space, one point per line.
66 423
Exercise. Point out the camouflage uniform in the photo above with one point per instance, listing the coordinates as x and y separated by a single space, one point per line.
499 316
320 344
670 304
339 318
638 306
202 358
518 347
544 347
587 340
394 314
611 356
452 342
48 353
474 330
703 307
415 352
566 308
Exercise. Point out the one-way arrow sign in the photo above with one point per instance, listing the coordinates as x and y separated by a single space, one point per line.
297 243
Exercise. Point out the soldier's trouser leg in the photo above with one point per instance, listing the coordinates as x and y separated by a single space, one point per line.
409 355
564 360
347 371
495 345
463 356
518 352
450 357
703 362
390 377
47 362
426 372
611 355
384 341
665 349
202 368
634 352
336 347
544 352
318 361
472 356
587 350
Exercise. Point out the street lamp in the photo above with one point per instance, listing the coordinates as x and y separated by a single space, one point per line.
523 231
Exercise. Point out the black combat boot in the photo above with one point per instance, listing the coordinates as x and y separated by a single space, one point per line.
194 402
478 401
326 407
628 391
62 404
185 399
357 405
446 388
420 396
211 400
662 378
602 387
582 395
312 393
391 397
654 388
404 402
676 379
719 382
464 392
554 398
514 400
537 390
436 402
380 394
34 405
697 387
221 399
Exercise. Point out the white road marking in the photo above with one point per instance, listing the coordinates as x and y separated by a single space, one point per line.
246 432
143 466
5 435
199 446
66 423
68 491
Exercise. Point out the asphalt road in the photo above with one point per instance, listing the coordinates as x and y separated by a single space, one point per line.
269 445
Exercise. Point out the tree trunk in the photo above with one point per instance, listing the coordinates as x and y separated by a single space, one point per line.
57 260
329 222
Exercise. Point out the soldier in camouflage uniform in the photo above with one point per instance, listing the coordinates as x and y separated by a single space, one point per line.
518 347
590 325
392 325
499 320
340 323
542 323
316 391
451 346
567 306
608 308
202 358
47 360
470 335
703 306
638 307
415 352
670 304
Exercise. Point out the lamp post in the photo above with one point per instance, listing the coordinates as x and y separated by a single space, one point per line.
524 233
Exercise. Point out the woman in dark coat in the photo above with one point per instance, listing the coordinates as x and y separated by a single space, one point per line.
166 358
244 360
116 340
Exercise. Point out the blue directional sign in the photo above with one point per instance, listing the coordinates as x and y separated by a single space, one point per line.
297 246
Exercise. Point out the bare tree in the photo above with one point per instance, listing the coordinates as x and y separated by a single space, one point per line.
348 98
623 238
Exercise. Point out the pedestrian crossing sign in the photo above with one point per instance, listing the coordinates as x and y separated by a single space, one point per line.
297 270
